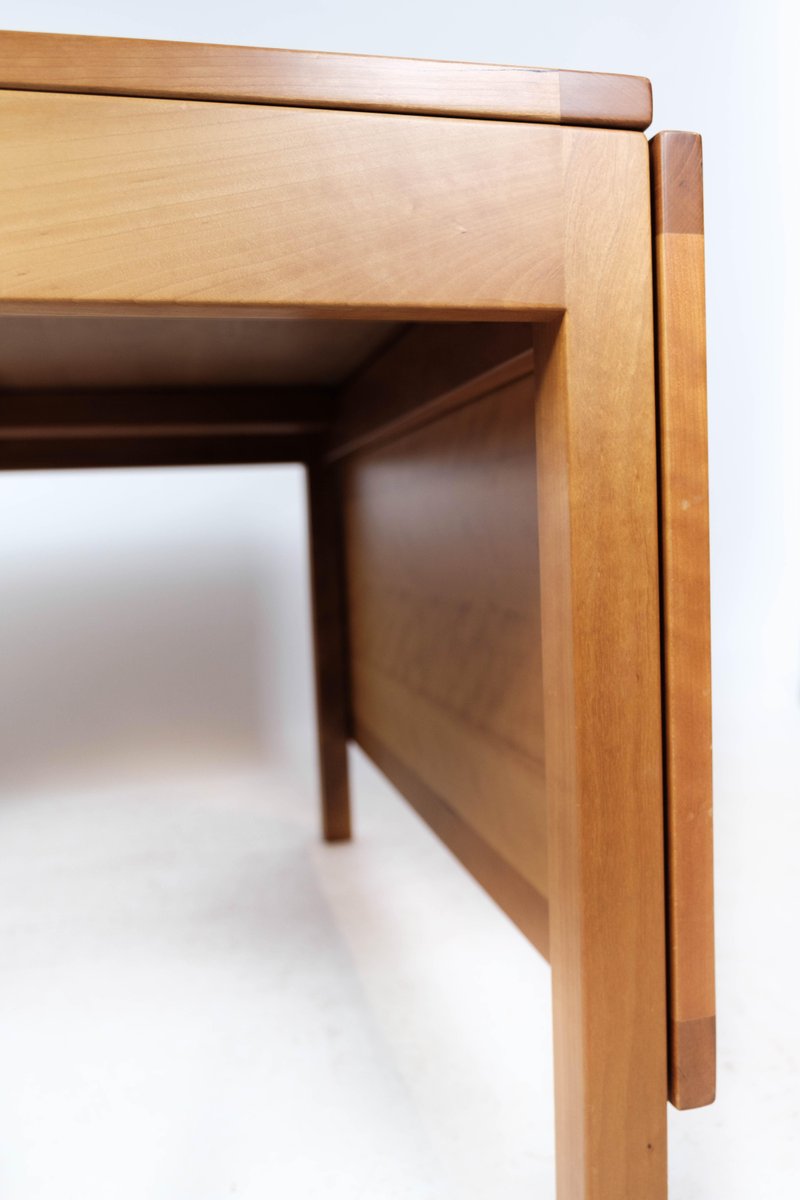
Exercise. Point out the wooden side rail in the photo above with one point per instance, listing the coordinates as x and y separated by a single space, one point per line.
440 516
35 413
237 209
149 427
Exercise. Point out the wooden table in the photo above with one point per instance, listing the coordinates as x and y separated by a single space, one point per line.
433 284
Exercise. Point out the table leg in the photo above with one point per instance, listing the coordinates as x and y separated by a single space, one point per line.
330 656
598 510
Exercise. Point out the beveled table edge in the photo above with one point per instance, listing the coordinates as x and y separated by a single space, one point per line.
247 74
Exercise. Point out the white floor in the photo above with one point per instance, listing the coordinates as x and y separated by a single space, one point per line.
199 1000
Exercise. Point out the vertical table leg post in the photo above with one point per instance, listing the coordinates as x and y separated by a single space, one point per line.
603 770
597 482
330 651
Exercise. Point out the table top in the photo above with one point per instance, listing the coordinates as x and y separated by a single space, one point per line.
245 74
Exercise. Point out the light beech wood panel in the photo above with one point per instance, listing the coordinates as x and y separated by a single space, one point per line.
159 352
134 204
441 538
677 165
596 460
132 67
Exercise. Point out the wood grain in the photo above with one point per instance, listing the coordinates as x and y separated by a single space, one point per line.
677 167
130 67
607 100
501 558
135 203
596 454
510 890
442 583
328 614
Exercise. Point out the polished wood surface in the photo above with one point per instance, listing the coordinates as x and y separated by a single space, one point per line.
329 615
596 456
138 205
443 598
130 67
677 169
191 352
490 630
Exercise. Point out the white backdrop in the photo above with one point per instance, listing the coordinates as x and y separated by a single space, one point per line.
104 568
